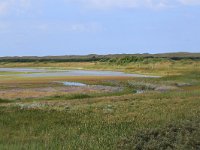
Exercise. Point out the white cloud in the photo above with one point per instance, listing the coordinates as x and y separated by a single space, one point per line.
89 27
107 4
112 3
3 7
13 5
21 6
190 2
84 27
103 4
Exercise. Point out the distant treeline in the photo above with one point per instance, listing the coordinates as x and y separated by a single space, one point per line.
114 58
50 60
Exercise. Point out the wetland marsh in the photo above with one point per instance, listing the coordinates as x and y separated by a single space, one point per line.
100 107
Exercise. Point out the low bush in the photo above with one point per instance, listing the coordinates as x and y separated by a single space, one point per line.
184 135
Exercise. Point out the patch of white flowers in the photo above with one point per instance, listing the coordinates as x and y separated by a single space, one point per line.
31 106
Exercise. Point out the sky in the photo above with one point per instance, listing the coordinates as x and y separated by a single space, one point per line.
79 27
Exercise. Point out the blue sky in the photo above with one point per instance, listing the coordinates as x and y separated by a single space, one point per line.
65 27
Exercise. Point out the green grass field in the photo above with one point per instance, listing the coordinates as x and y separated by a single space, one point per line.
165 116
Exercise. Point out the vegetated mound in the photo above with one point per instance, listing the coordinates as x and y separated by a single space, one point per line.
112 58
184 136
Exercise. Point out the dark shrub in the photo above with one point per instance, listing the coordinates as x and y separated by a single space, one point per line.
182 136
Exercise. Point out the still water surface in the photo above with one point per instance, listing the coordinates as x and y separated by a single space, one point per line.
30 72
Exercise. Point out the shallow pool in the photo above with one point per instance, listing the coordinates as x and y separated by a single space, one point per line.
30 72
73 84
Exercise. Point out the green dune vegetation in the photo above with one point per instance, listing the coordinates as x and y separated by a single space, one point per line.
111 112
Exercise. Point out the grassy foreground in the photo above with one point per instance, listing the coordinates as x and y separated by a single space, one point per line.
166 118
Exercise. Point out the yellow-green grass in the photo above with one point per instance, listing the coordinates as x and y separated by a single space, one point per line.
18 79
163 68
48 64
86 121
99 123
9 73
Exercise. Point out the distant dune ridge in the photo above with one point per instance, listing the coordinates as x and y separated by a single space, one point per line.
96 57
